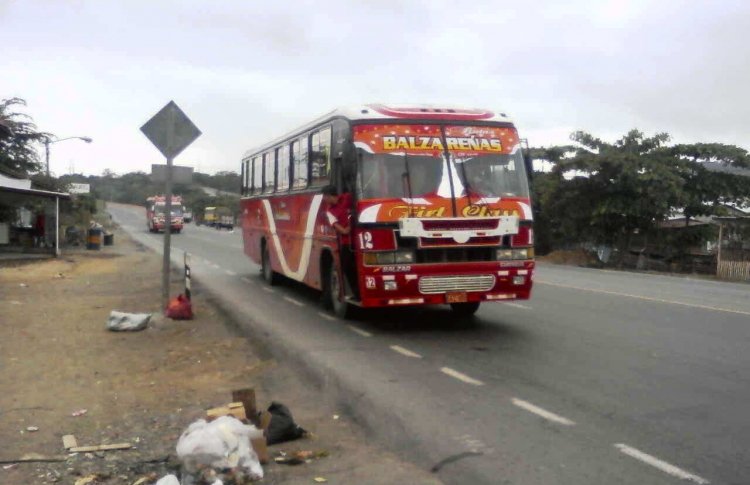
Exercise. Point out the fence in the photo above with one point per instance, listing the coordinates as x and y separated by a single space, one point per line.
734 270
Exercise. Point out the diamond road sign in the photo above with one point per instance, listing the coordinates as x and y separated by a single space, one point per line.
170 130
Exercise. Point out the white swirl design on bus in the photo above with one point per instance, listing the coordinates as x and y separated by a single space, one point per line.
304 261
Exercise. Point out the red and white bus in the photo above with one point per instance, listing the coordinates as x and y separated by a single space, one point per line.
156 208
441 211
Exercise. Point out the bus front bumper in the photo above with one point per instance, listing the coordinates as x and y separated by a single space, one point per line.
425 284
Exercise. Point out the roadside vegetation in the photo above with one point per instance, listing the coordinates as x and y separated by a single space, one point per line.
620 196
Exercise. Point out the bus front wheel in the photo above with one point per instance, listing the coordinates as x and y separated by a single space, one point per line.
465 309
335 292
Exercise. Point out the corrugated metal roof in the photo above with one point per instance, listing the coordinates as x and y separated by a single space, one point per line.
36 192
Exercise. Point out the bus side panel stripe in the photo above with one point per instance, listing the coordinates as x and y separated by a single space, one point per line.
304 262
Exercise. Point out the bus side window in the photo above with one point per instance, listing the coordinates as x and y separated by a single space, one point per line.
248 177
243 177
282 166
320 157
299 163
269 172
257 181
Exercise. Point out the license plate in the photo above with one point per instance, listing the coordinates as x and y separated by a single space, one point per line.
456 297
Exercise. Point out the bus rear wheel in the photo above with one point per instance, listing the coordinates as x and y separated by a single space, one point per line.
269 275
335 292
465 309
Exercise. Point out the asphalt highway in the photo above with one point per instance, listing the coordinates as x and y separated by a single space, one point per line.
601 378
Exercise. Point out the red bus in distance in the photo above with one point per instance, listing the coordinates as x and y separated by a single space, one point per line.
440 208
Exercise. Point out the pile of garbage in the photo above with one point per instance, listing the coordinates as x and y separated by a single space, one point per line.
230 445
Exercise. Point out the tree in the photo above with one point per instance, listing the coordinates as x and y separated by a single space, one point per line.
17 135
605 192
705 187
600 192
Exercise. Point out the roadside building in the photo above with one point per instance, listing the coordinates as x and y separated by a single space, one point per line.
29 219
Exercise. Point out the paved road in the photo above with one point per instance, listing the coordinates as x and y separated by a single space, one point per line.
601 378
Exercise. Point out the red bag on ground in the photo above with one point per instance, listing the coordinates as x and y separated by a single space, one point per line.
179 308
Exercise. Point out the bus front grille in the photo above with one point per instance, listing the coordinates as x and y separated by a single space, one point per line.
444 284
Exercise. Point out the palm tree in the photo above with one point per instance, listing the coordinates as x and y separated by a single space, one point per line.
18 157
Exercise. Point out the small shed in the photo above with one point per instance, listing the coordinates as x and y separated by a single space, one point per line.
29 218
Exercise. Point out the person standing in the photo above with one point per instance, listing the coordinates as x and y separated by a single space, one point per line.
339 214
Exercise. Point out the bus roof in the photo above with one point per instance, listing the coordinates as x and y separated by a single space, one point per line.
381 112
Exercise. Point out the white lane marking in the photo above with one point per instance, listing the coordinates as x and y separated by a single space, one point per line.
461 376
406 352
246 280
292 300
359 331
326 316
518 305
270 290
647 298
550 416
661 465
230 272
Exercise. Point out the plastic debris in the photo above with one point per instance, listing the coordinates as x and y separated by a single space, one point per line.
31 429
300 457
168 480
282 427
80 412
222 444
127 322
23 285
10 467
179 308
320 480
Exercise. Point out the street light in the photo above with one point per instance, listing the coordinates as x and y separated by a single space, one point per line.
48 141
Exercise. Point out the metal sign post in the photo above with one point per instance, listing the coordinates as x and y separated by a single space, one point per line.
171 131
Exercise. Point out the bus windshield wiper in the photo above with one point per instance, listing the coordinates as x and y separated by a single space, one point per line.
467 186
407 174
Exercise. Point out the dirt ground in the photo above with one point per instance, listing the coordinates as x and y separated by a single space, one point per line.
576 257
143 388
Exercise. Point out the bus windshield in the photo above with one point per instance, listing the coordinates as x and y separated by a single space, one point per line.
496 175
395 175
161 209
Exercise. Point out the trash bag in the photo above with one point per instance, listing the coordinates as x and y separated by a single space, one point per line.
127 322
282 426
221 444
168 480
179 308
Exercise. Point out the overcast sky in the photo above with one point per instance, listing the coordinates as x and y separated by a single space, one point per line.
248 71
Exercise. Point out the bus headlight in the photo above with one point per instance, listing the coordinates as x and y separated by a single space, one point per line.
404 257
518 253
504 254
389 257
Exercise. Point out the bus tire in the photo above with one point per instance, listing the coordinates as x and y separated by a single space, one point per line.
465 309
269 275
333 289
